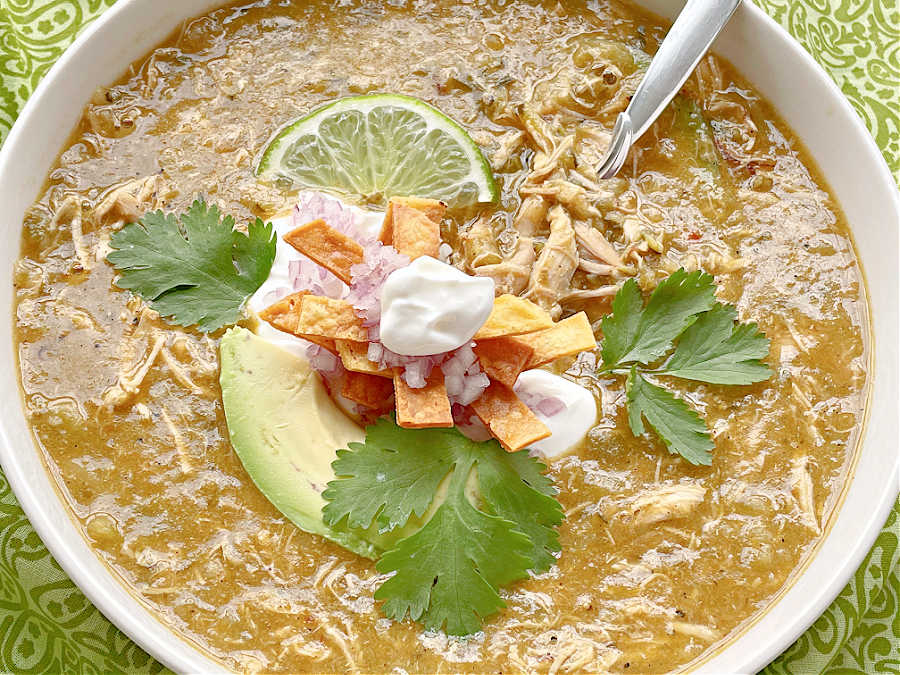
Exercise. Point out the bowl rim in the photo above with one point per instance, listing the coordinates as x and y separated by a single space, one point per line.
126 610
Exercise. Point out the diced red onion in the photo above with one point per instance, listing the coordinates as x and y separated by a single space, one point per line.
414 374
469 424
306 275
314 205
367 280
463 377
323 361
548 406
274 296
375 350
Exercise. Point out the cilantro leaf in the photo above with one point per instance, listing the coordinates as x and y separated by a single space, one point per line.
195 269
709 347
388 478
514 487
493 517
621 326
448 572
643 336
680 428
717 350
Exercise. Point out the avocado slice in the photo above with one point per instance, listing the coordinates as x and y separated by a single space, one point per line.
286 431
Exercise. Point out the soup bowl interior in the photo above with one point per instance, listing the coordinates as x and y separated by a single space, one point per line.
779 68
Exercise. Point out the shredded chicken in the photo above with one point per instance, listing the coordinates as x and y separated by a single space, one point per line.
544 165
575 198
69 212
512 274
537 129
717 263
509 143
341 640
580 294
178 372
592 244
299 645
694 630
479 245
666 503
129 380
802 489
552 273
567 651
735 132
128 202
592 267
184 458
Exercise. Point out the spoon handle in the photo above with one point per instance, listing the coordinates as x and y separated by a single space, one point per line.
698 24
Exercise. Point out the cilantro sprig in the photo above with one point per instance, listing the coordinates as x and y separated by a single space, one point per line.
194 269
711 347
493 517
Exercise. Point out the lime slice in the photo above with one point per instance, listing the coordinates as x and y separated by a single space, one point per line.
378 146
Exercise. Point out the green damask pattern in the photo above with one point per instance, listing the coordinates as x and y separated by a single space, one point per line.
33 34
858 43
48 626
46 623
860 631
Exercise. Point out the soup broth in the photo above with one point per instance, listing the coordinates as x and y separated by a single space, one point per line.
661 560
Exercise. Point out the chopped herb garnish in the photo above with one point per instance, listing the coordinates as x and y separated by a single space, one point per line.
194 269
711 347
493 518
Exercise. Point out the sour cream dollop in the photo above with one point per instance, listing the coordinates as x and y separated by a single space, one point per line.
429 307
573 414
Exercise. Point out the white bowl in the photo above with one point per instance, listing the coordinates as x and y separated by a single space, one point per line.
785 74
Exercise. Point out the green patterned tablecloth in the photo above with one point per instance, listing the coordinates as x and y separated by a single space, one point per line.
48 626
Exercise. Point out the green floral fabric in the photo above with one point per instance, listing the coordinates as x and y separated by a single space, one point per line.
48 626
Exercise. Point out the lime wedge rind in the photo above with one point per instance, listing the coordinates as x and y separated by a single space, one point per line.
407 147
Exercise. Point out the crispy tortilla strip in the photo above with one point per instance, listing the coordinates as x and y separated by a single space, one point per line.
328 318
503 358
432 208
513 315
567 337
422 408
370 391
355 357
415 234
510 421
334 251
284 316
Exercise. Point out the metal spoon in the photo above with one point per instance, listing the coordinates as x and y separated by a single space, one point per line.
698 24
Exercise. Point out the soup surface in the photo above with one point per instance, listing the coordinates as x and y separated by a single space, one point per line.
661 560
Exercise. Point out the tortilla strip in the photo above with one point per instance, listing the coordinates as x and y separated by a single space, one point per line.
422 408
329 318
510 421
334 251
512 315
568 337
503 358
430 207
284 316
355 357
415 234
370 391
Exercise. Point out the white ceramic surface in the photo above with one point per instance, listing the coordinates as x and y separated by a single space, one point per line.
783 73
